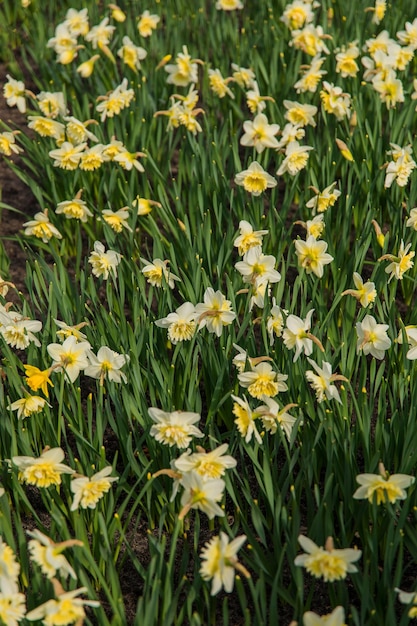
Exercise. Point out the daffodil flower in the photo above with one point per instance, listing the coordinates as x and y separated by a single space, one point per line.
327 563
382 486
219 562
255 179
372 337
400 263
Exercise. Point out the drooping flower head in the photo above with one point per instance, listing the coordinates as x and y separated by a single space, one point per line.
180 324
219 562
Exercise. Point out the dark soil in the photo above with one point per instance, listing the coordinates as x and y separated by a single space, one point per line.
16 194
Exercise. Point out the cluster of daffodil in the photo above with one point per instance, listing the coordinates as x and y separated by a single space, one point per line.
261 304
66 607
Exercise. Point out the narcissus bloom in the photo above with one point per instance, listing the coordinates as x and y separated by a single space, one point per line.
131 54
408 598
14 92
129 160
104 262
184 71
117 220
323 199
42 471
106 365
77 22
70 356
74 209
245 419
68 156
256 103
311 77
314 227
335 101
215 312
364 292
335 618
158 273
9 565
220 562
290 133
255 180
180 324
28 405
65 330
274 322
263 380
48 554
92 158
259 133
46 127
297 335
17 331
257 268
412 220
372 337
248 237
400 263
346 64
300 114
12 603
52 103
88 491
296 158
202 494
274 417
219 84
327 563
38 379
115 101
399 171
176 428
310 40
321 381
228 5
297 13
210 464
101 34
66 609
312 255
389 87
243 76
41 227
382 486
8 145
408 37
147 24
411 334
